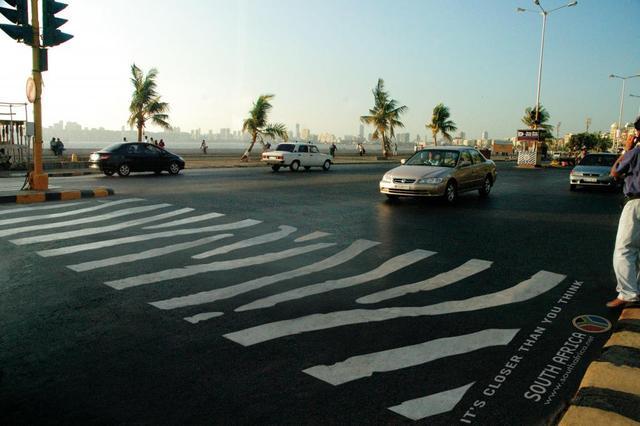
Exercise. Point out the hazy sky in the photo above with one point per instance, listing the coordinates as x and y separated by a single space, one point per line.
321 58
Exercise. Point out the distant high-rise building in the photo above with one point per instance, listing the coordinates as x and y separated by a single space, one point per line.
485 135
290 134
463 135
297 131
225 134
361 132
304 134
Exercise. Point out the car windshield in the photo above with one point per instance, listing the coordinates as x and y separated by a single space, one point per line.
598 160
285 147
434 158
112 148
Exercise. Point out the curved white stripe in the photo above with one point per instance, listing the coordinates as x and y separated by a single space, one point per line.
98 230
388 267
428 406
82 221
187 271
466 270
203 317
312 236
136 238
361 366
67 213
44 206
339 258
185 221
261 239
147 254
541 282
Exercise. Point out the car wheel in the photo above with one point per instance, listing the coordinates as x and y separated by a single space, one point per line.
294 166
326 166
174 168
486 187
124 170
275 167
108 172
451 192
572 187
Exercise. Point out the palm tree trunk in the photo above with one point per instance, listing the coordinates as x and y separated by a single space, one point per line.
245 156
384 145
435 141
139 132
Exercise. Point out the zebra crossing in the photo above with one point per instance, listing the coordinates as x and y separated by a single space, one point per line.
93 228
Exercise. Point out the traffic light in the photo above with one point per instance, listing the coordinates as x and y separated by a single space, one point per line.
51 35
21 31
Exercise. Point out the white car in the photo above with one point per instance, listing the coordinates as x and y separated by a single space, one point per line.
296 155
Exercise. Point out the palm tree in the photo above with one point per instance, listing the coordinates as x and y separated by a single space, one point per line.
256 124
440 123
543 116
385 117
145 101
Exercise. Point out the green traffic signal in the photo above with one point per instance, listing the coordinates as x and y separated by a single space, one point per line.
22 31
51 35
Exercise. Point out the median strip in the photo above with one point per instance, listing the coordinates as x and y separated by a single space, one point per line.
26 197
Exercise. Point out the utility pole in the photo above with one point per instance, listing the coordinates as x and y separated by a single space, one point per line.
38 180
588 123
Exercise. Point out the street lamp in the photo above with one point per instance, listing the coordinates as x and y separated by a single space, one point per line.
624 80
636 96
544 13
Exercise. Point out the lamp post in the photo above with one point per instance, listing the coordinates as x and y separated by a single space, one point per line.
636 96
544 13
624 80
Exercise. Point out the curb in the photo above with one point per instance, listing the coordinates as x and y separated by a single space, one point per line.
69 174
27 197
610 389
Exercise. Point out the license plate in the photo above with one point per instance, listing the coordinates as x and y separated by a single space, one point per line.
402 186
590 179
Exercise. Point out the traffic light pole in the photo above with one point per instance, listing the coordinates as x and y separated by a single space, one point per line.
38 180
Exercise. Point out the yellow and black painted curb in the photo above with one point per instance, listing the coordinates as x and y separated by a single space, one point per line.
39 197
610 390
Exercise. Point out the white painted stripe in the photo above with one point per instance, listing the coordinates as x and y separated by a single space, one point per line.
190 270
361 366
388 267
99 230
185 221
145 237
261 239
428 406
74 212
44 206
147 254
82 221
203 317
538 284
339 258
312 236
466 270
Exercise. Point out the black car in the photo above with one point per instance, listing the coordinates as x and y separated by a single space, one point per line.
125 158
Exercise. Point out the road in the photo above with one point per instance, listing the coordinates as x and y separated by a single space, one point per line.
244 296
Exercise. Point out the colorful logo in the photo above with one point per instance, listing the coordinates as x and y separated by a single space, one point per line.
592 324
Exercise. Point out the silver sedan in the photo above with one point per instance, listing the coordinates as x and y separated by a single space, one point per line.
593 170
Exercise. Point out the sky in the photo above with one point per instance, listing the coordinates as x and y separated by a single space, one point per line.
322 58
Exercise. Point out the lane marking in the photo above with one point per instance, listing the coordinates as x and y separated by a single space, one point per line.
190 270
185 221
98 230
356 248
67 213
46 206
261 239
362 366
444 279
147 254
312 236
137 238
82 221
428 406
392 265
203 317
538 284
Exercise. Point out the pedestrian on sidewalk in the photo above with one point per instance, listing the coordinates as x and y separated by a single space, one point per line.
626 254
204 146
332 150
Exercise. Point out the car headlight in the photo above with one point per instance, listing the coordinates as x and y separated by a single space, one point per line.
431 180
94 157
387 178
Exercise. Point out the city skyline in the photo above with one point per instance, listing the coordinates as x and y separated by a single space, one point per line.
479 59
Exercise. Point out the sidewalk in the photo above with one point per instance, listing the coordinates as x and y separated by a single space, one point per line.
609 393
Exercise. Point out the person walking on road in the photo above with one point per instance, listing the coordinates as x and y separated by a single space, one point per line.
626 254
332 150
204 146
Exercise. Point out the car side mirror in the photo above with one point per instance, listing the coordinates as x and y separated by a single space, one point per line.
465 163
403 161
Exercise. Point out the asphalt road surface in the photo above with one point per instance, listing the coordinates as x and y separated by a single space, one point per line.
242 296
